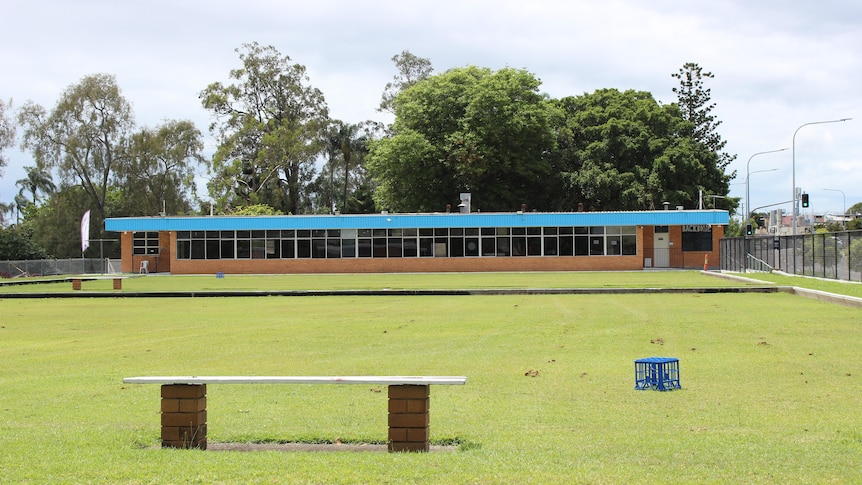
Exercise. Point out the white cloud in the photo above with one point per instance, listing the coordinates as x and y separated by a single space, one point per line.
777 64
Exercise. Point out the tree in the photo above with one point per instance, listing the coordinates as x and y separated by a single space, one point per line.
625 151
160 170
256 210
21 202
270 126
56 224
7 131
16 243
351 142
466 130
411 69
854 254
694 103
38 180
343 183
734 228
82 137
5 209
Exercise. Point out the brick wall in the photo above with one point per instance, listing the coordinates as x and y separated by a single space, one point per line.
406 265
165 262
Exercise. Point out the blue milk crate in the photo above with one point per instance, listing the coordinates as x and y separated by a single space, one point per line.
657 373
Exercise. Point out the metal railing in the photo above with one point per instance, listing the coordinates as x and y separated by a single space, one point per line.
833 255
54 267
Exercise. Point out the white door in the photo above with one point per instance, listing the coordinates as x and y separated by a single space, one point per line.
661 250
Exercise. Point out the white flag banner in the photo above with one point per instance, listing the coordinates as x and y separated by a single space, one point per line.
85 231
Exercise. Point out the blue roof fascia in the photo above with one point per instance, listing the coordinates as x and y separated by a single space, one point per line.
402 221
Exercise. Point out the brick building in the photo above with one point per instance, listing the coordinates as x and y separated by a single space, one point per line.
435 242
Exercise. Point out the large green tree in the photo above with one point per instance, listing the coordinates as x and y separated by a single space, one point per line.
625 151
82 137
270 124
16 243
160 169
466 130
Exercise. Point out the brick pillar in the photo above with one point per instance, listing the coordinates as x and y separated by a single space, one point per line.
76 284
184 416
408 417
118 284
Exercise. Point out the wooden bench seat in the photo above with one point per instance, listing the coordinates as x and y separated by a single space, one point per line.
183 408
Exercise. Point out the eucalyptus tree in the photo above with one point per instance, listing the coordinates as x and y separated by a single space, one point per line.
7 131
269 125
411 69
82 137
160 170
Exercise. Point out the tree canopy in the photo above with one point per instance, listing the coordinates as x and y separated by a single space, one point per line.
7 131
625 151
159 173
411 69
695 102
466 130
83 136
270 125
492 133
88 139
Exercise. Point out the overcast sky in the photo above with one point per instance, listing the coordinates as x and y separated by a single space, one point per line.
778 64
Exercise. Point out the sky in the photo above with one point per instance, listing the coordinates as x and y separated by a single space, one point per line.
778 65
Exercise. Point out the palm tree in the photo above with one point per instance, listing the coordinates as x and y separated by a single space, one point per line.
21 201
4 209
37 180
352 141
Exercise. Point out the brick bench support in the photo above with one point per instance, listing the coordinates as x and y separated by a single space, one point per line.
184 415
408 418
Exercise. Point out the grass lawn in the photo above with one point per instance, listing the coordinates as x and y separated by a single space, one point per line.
848 288
622 279
771 384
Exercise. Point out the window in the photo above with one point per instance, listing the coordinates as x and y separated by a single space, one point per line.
411 242
145 243
697 238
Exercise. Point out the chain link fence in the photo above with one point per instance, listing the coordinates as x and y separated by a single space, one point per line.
833 255
54 267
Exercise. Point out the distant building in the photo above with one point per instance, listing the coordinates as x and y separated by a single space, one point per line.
435 242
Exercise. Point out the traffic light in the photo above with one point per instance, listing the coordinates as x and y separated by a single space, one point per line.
748 230
804 200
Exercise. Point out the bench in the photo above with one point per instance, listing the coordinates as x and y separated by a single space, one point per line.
184 415
76 282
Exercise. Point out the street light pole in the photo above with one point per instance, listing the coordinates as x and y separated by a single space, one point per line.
793 151
747 203
748 174
843 207
795 210
747 211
